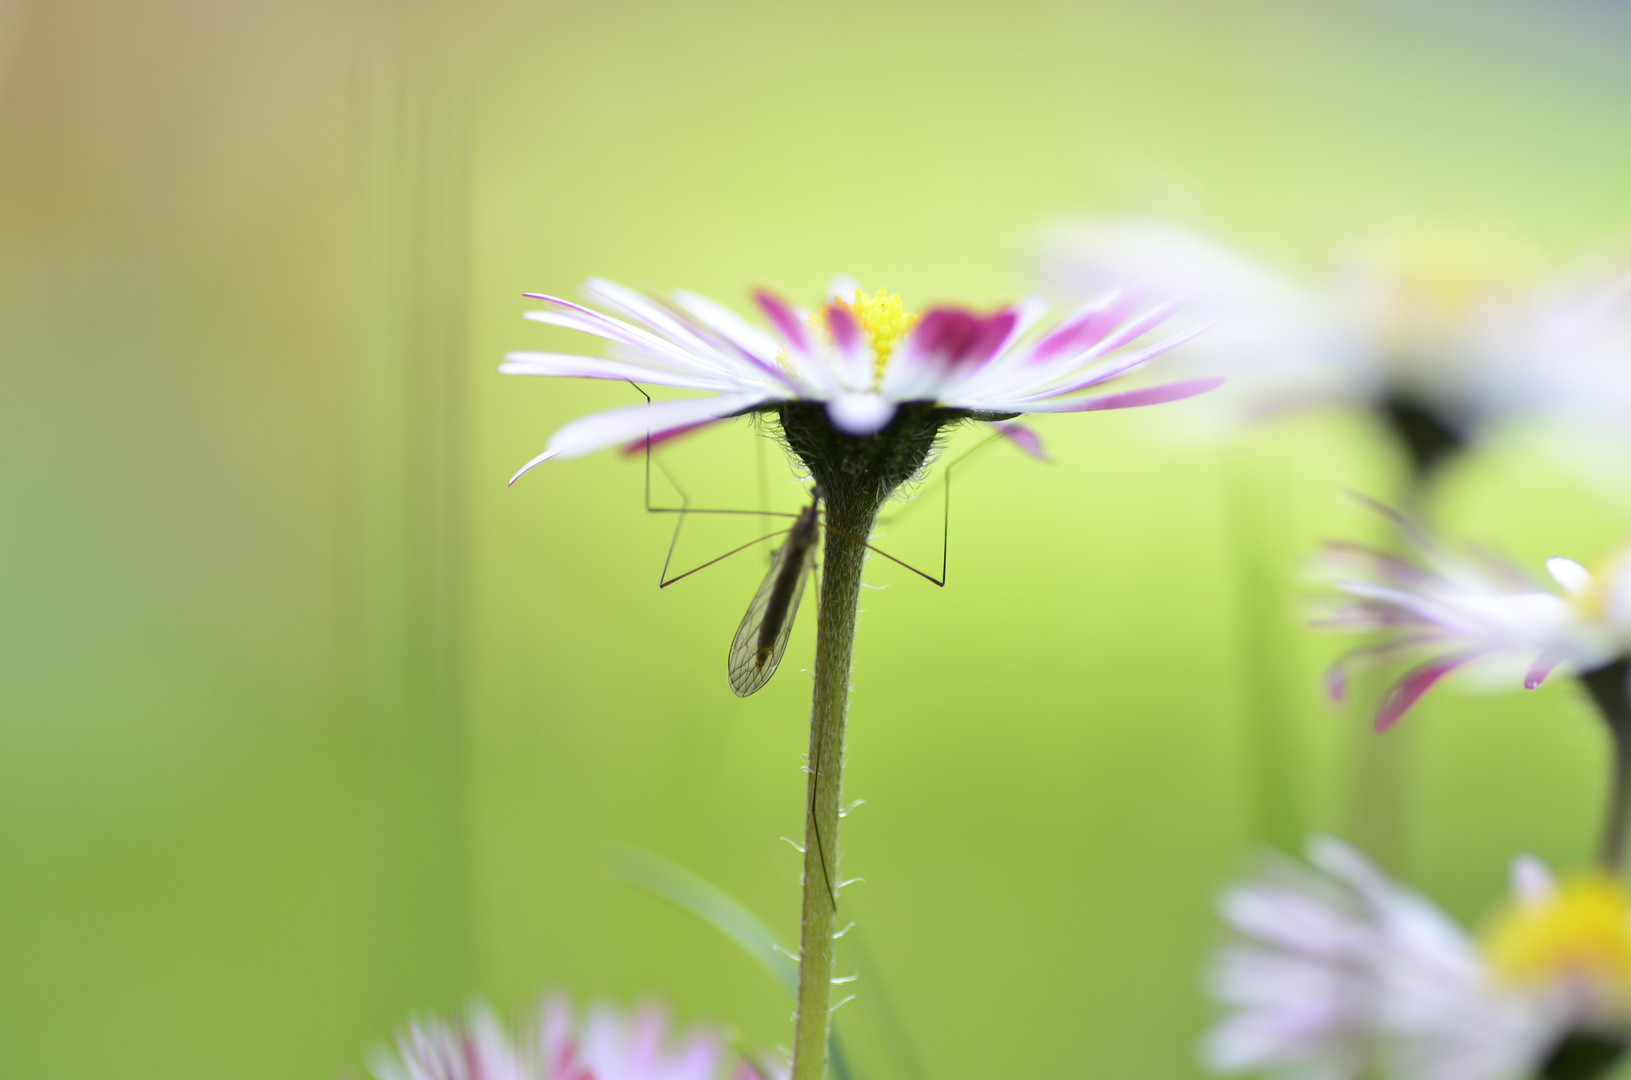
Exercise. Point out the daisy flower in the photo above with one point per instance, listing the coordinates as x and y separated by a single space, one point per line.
555 1044
1460 609
861 390
863 359
1445 333
1337 971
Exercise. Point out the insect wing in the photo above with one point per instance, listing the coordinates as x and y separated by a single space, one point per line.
747 674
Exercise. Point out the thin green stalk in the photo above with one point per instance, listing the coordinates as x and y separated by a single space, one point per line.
1612 855
835 646
1378 799
1608 688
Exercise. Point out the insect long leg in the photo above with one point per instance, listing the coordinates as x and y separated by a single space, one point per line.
945 535
685 507
815 823
665 582
875 549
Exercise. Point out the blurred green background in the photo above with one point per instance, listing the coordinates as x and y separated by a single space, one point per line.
307 723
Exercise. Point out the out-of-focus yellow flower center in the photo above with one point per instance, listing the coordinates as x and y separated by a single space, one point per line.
882 317
1608 577
1580 935
1440 277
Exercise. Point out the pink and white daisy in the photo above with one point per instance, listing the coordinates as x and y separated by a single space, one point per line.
1463 609
1337 971
1445 332
555 1044
862 357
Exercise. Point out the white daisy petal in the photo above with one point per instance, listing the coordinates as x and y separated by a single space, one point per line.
1456 322
862 358
860 414
600 430
555 1045
589 367
730 326
1532 882
1451 610
1389 985
1570 576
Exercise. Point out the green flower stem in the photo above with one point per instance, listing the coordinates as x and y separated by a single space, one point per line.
1607 686
1612 855
843 559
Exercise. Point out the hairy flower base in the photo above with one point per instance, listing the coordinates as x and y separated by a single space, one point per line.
862 472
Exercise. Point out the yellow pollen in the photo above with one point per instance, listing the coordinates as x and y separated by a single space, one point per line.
1580 935
882 317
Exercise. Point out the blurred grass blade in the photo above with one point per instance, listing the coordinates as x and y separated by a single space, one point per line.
713 906
679 886
879 1006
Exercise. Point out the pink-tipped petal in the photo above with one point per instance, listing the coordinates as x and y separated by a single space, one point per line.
1135 329
748 339
1542 667
1086 328
853 359
1132 399
1416 682
782 320
1107 370
600 430
539 460
658 438
1024 438
952 339
1366 657
1336 683
1027 313
841 324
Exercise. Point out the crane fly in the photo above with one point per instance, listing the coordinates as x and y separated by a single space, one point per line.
760 640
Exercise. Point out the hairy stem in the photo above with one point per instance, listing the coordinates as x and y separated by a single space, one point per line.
835 646
1608 688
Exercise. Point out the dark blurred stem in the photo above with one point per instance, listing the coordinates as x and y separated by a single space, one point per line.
1582 1056
835 646
1607 686
1612 855
1428 438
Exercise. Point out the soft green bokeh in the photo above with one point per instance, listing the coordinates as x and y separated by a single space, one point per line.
308 723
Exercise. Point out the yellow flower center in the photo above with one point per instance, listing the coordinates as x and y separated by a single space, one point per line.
1610 577
882 317
1442 276
1580 936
